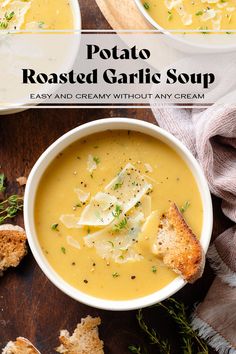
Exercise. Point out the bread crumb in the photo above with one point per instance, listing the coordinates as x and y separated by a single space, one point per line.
85 339
22 180
20 346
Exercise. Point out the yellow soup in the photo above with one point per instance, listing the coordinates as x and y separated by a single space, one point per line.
36 14
97 201
197 14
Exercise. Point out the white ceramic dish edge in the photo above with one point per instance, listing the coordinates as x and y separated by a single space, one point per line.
58 146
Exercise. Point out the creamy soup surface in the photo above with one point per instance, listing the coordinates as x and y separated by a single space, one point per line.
98 207
36 14
195 14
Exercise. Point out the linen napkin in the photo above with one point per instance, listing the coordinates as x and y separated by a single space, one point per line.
211 136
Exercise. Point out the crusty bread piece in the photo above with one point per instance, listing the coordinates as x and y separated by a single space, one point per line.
178 246
20 346
12 246
85 339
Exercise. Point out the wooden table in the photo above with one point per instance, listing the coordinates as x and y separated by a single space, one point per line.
30 305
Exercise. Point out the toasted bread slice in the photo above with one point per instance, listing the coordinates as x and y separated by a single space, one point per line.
177 245
85 339
12 246
20 346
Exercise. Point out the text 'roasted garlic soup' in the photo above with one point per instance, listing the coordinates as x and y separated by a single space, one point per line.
98 208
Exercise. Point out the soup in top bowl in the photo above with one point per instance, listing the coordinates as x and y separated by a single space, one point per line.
36 14
193 15
97 210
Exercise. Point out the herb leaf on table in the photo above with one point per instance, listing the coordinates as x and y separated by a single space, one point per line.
190 339
190 342
2 183
152 335
10 207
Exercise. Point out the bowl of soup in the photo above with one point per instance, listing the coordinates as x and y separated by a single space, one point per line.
197 26
87 200
38 18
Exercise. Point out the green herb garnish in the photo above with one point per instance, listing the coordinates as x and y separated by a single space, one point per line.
199 13
41 24
117 211
54 227
3 25
63 250
185 206
78 205
10 207
96 159
146 5
121 225
9 16
154 269
204 30
115 275
117 185
111 243
2 182
170 15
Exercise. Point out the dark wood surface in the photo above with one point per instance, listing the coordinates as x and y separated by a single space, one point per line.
30 305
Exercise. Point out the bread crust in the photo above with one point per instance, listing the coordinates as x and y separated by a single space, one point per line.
178 246
20 346
84 340
12 246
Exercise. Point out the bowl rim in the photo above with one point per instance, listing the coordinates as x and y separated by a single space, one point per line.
168 33
59 145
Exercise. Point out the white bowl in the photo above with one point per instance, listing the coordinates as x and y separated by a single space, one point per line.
192 43
75 8
58 146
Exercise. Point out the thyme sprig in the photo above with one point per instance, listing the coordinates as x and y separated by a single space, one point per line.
152 335
137 350
185 206
190 342
121 225
190 339
2 182
10 207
